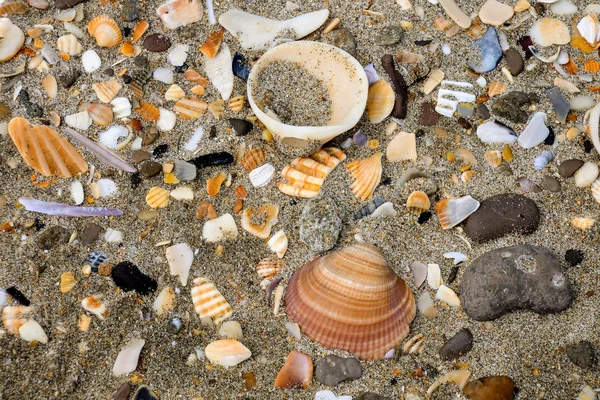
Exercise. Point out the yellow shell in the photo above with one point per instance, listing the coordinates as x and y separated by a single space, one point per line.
67 282
84 323
157 197
12 317
198 90
254 159
259 221
147 112
175 93
493 158
521 5
507 153
107 90
101 114
139 30
365 175
236 103
211 45
269 267
592 66
497 88
217 108
583 223
105 30
467 176
209 302
190 108
68 44
380 101
213 185
418 202
13 8
127 49
50 86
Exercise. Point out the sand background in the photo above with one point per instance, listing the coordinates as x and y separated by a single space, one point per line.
513 345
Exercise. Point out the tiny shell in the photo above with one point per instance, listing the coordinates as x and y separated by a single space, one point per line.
236 104
494 158
178 54
418 202
113 236
583 223
259 221
31 331
166 120
218 229
543 160
91 61
448 296
205 209
535 132
68 44
297 371
211 45
380 101
452 212
366 175
50 86
164 75
262 175
406 57
596 191
566 85
180 258
105 30
227 352
101 114
127 49
522 5
128 357
139 30
254 159
107 90
495 132
548 31
497 88
66 15
213 185
269 267
592 66
80 120
110 137
278 243
12 317
165 301
77 192
194 77
94 305
16 7
209 302
184 170
231 330
190 108
147 112
183 193
174 93
157 197
402 147
240 192
176 13
460 377
433 80
434 276
425 305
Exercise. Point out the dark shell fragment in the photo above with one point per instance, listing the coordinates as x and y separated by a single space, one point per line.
128 277
212 159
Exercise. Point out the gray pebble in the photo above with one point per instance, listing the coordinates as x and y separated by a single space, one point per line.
389 35
582 354
129 10
150 135
320 224
509 106
137 156
343 39
332 369
457 345
514 61
567 168
53 237
550 184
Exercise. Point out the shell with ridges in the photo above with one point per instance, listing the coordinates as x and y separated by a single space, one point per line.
380 101
217 108
68 44
219 71
194 77
101 114
589 29
148 112
254 159
175 93
269 267
12 317
433 80
176 13
67 282
190 108
105 30
227 352
278 243
351 300
16 7
418 202
365 175
592 66
452 212
259 221
121 107
209 302
80 120
236 104
107 90
157 197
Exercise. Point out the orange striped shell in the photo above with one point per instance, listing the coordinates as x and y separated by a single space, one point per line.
148 112
13 8
592 66
139 30
194 77
254 159
351 300
190 108
105 30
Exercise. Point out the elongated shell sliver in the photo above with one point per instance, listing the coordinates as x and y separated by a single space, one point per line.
66 210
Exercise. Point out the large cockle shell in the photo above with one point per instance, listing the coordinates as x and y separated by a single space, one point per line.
12 39
366 175
351 300
45 150
548 31
452 212
344 76
209 302
380 101
227 352
13 317
259 221
176 13
307 175
105 30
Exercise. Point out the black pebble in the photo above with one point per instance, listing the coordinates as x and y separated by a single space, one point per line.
160 150
18 296
464 123
241 126
39 225
213 132
128 277
550 138
182 68
574 257
587 146
293 203
423 42
241 67
126 79
424 217
452 275
109 72
135 180
386 181
212 159
420 133
393 381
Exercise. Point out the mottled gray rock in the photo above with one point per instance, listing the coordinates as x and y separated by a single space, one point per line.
389 35
53 237
457 345
550 183
567 168
332 370
342 38
510 106
502 214
582 354
371 396
516 277
320 224
90 233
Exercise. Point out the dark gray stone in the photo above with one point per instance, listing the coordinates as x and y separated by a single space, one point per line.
389 35
457 345
582 354
64 4
567 168
157 43
509 106
371 396
320 224
144 393
516 277
53 237
550 184
90 233
514 61
150 135
482 111
150 169
502 214
342 38
129 10
332 370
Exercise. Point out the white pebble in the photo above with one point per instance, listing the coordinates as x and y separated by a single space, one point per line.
166 120
77 192
91 61
164 75
446 49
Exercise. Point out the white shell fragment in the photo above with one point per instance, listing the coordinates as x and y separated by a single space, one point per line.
456 257
434 276
448 296
231 330
494 132
402 147
448 100
110 137
164 75
74 29
535 132
178 54
579 103
278 243
77 192
121 107
425 305
113 236
452 212
586 175
165 301
219 71
384 210
419 271
91 61
106 187
182 193
128 357
166 120
262 175
180 258
80 120
31 331
218 229
563 7
194 140
259 33
94 305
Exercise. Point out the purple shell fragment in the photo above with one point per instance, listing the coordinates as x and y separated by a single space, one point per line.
360 138
103 154
371 74
66 210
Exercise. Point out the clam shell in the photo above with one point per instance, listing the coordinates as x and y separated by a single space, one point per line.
16 7
176 13
91 62
67 282
452 212
548 31
227 352
165 301
297 372
589 29
80 120
12 317
128 357
157 197
596 191
194 77
12 39
402 147
583 223
211 45
254 159
32 332
139 30
166 120
94 305
107 90
101 114
190 108
269 267
433 80
262 175
278 243
220 71
219 229
209 302
68 44
236 104
592 66
366 175
45 150
105 30
127 49
418 202
217 108
121 107
174 93
351 300
50 86
180 258
259 221
213 185
380 101
148 112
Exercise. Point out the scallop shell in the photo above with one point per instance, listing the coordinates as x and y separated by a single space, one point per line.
105 30
227 352
583 223
50 86
351 300
176 13
12 317
493 158
418 202
592 66
380 101
101 114
219 71
548 31
121 107
194 77
236 104
68 44
45 150
148 112
240 192
259 221
107 90
452 212
157 197
80 120
190 108
307 175
365 175
433 80
497 88
209 302
139 30
278 243
12 39
254 159
211 45
185 171
297 372
94 305
213 185
402 147
269 267
67 282
175 93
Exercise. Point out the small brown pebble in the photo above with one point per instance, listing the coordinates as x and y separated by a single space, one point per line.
237 206
249 380
150 169
138 156
157 43
491 387
205 209
428 116
150 136
104 269
90 233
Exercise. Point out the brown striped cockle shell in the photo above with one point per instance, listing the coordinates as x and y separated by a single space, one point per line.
351 300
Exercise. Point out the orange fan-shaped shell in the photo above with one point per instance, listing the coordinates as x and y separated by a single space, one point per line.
45 150
351 300
105 30
148 112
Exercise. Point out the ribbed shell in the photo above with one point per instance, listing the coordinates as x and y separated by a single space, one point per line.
254 159
236 103
194 77
366 175
105 30
157 197
101 114
68 44
13 8
175 93
12 317
107 90
209 302
380 101
190 108
148 112
269 267
351 300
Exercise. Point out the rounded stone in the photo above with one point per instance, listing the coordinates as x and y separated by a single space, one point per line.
567 168
550 184
332 370
342 38
389 35
514 61
150 136
582 354
157 43
457 345
320 224
574 257
490 387
150 169
53 237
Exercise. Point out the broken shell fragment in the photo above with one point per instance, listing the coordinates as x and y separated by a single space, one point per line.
176 13
452 212
218 229
583 223
12 39
434 78
418 202
227 352
495 13
269 267
262 175
380 101
448 296
174 93
13 317
589 29
128 357
91 61
190 108
180 258
460 377
94 305
32 332
165 301
107 90
278 243
490 49
211 45
402 147
254 159
366 175
219 71
166 120
259 221
105 30
209 302
535 132
549 31
454 12
213 185
67 282
297 372
101 114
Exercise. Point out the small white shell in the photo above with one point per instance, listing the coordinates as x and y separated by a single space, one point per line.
165 301
121 107
278 243
448 296
136 144
128 357
231 330
66 15
178 54
183 193
419 271
180 258
106 187
77 192
219 71
493 132
535 132
164 75
166 120
31 331
113 236
543 160
386 210
80 120
95 305
91 61
192 143
425 305
75 30
68 44
456 256
586 175
110 137
434 276
262 175
218 229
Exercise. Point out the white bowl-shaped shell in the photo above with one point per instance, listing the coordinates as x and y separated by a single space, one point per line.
227 352
548 31
31 331
345 78
69 44
128 357
351 300
80 120
12 39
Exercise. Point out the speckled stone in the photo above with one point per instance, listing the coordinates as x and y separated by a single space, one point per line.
137 156
150 136
510 106
514 61
90 233
52 237
582 354
320 224
150 169
490 388
457 345
428 116
332 370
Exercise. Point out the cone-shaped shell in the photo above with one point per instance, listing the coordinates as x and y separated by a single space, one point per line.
105 30
351 300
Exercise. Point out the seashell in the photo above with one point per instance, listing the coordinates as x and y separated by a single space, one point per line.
586 175
269 267
236 104
535 132
91 62
231 330
490 49
101 114
213 185
447 100
262 175
448 296
157 197
526 185
418 202
209 302
566 85
166 120
493 158
113 236
596 191
434 78
77 192
402 147
219 71
561 106
105 30
45 150
183 193
180 258
94 305
592 66
344 76
67 282
543 160
259 33
495 13
164 75
259 221
12 317
385 210
128 357
178 54
50 86
589 29
406 57
148 112
460 377
184 170
455 13
278 243
351 290
419 271
452 212
32 332
165 301
254 159
205 209
175 93
219 229
370 208
127 49
211 45
366 175
548 31
39 4
581 103
563 7
107 90
80 120
296 373
497 88
495 132
227 352
240 192
380 101
68 44
177 13
217 108
441 23
190 108
583 223
466 156
13 8
194 77
434 276
139 30
66 15
13 38
109 138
